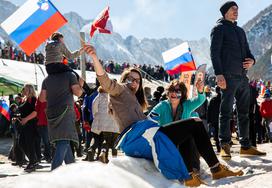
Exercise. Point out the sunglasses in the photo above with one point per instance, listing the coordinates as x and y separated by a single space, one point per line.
174 90
130 80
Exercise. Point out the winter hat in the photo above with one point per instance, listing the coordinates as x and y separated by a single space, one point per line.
226 6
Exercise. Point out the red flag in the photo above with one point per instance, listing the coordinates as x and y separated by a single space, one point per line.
102 23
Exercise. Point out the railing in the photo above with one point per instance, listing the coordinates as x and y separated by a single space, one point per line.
152 79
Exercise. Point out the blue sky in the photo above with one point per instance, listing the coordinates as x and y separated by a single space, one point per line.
186 19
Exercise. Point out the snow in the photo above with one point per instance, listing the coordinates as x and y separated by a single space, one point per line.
130 172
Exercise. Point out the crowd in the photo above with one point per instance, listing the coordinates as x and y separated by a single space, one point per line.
8 51
166 127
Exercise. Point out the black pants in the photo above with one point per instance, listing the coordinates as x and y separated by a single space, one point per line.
107 142
190 155
55 68
252 130
215 136
18 150
182 131
237 88
28 140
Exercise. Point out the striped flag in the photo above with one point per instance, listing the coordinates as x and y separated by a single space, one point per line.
102 22
178 59
4 110
33 23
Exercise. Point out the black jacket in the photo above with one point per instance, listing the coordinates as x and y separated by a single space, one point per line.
229 48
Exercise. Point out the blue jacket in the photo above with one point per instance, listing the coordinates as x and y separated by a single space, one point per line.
164 109
144 140
87 106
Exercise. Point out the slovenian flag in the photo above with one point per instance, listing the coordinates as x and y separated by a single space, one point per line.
4 110
33 23
178 59
102 22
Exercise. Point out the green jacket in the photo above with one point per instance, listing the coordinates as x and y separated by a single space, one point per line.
165 111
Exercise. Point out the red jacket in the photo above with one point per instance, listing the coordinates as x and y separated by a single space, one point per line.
77 113
40 109
266 108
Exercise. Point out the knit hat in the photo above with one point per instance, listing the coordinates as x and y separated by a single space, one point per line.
226 6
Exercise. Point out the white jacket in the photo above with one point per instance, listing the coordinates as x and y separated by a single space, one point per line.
102 121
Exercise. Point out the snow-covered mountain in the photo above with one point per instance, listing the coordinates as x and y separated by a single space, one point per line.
148 51
115 47
130 49
259 31
7 8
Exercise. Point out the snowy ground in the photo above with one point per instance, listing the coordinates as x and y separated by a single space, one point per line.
126 172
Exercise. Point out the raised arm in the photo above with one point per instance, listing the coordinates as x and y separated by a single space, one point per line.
110 86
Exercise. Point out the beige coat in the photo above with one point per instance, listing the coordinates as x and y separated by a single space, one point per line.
123 102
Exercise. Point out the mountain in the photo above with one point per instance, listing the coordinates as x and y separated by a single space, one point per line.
263 68
7 8
115 47
259 30
130 49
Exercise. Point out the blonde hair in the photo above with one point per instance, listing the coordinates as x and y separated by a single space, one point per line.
31 90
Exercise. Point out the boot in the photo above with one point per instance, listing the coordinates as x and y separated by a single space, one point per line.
90 155
194 181
30 167
222 171
251 151
225 152
79 151
103 158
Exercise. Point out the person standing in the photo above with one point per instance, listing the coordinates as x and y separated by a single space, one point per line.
28 133
60 113
231 58
266 112
42 130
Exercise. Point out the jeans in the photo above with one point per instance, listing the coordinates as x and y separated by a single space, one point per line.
43 132
63 153
238 88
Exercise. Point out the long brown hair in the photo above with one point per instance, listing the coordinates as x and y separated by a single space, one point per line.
183 89
140 92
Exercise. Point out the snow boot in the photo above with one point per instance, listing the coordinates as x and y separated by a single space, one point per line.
222 171
225 152
194 181
251 151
